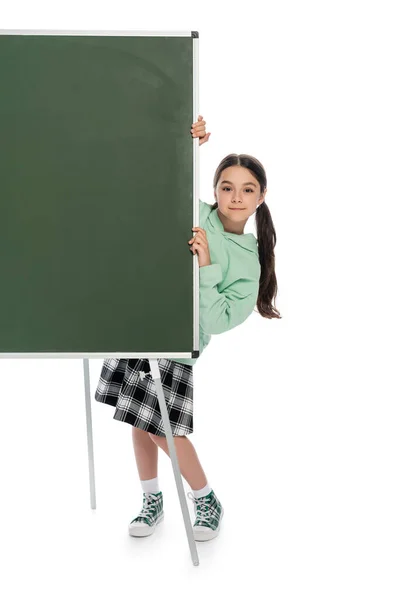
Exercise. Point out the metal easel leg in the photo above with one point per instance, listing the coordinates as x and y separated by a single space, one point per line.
89 432
155 373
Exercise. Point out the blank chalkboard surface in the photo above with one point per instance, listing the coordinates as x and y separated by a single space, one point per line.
98 194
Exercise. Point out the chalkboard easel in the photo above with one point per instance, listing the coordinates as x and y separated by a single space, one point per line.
98 197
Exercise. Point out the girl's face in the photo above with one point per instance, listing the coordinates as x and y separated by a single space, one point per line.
237 188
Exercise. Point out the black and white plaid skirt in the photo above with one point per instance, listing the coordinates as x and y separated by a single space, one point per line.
127 384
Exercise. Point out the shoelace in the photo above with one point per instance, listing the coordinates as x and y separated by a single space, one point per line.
146 511
202 508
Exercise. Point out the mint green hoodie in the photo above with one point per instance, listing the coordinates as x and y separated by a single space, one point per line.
229 286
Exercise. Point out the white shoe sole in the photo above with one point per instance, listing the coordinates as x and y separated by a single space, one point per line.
140 529
203 534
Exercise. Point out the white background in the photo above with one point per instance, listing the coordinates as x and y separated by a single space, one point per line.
296 420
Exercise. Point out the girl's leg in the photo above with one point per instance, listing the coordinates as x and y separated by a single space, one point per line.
146 454
189 464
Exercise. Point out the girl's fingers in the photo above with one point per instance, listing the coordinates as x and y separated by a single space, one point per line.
198 132
199 124
199 128
199 235
196 240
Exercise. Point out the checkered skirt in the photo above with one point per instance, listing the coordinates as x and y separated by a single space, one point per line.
135 397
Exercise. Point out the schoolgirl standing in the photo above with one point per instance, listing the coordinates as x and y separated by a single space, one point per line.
237 272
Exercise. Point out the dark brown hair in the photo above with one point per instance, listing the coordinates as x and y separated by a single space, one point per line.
266 235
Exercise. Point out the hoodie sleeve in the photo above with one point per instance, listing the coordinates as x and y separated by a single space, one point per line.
222 311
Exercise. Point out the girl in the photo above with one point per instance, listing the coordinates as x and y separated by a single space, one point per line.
236 272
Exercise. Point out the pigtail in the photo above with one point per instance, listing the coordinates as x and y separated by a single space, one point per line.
266 237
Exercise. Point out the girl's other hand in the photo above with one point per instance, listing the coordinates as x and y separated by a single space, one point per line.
200 246
199 130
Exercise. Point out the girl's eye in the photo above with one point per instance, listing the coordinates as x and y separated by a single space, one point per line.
228 188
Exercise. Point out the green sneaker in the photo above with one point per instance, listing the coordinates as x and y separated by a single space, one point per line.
209 513
150 516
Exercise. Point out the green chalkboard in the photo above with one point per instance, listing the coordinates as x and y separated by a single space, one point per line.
97 194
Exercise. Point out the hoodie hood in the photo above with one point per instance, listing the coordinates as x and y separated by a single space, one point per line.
245 240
